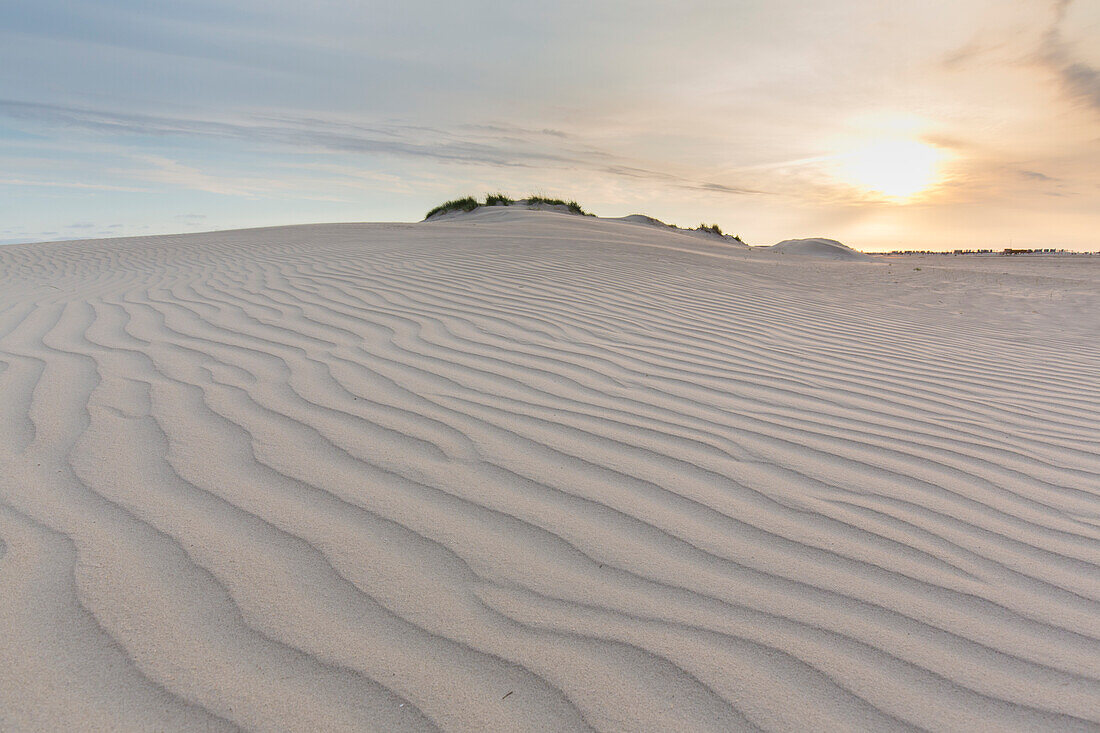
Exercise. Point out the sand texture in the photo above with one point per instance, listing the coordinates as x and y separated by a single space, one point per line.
529 471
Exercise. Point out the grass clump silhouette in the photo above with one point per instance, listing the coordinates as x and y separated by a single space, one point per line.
715 229
573 206
498 199
464 204
469 203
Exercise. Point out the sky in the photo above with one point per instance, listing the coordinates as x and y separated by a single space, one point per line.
937 125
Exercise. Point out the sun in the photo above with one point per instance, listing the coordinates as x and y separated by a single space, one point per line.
899 169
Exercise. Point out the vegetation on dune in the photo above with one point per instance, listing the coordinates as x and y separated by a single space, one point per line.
715 229
498 199
469 203
464 204
573 206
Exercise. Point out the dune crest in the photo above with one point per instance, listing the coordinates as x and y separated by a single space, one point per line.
524 471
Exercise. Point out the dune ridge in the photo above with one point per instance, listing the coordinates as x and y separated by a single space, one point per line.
522 470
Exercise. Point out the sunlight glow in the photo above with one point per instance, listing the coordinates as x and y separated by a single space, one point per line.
896 168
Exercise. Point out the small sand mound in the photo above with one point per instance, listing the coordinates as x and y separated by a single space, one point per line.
818 247
643 219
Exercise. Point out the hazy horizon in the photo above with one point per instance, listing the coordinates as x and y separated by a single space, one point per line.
943 125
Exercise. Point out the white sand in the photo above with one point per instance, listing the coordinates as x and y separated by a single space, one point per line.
529 471
827 249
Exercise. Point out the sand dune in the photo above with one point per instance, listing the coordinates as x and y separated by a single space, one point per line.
819 247
527 471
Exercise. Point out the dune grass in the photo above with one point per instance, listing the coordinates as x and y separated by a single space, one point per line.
498 199
573 206
469 203
715 229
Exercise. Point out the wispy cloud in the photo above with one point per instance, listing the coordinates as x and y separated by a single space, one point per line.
1080 80
1036 176
69 184
167 171
486 145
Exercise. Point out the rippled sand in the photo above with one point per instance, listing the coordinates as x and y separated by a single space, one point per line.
528 471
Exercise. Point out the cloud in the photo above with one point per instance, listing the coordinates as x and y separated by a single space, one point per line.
190 220
1083 81
964 55
69 184
1080 80
487 145
302 132
171 172
1038 36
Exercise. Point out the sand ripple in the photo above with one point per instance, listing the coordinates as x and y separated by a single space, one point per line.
533 472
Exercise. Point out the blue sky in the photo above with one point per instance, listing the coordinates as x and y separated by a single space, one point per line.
969 123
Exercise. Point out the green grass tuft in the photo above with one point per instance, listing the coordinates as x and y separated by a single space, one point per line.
498 199
573 206
464 204
469 203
